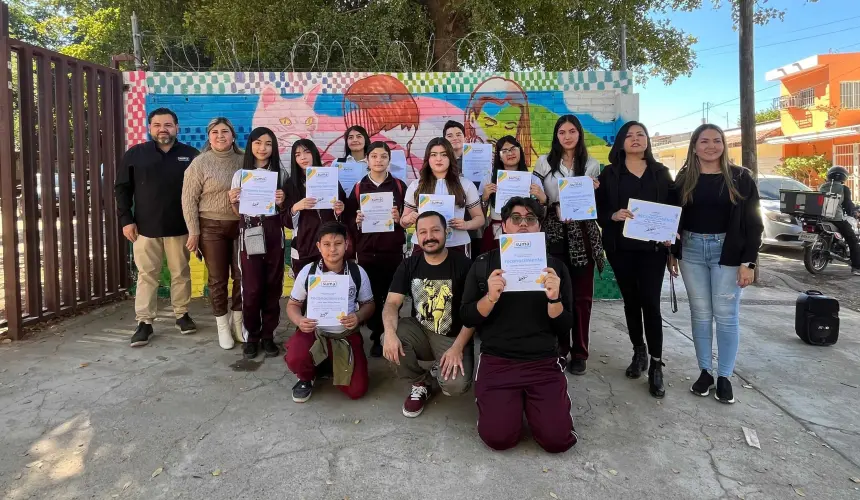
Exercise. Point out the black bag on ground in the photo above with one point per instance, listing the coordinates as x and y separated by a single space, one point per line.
816 319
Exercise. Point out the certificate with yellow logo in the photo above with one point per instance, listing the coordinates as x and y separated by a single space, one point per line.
321 184
510 183
523 261
376 208
576 198
328 298
258 192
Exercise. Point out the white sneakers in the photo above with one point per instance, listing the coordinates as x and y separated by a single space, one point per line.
225 336
237 326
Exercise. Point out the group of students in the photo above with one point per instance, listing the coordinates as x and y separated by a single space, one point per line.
527 338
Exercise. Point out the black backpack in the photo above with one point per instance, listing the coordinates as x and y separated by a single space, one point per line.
482 272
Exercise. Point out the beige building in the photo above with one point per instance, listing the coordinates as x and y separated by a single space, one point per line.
671 150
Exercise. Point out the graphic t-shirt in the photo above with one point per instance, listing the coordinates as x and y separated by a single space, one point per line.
436 291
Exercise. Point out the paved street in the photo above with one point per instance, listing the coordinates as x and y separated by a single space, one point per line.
785 267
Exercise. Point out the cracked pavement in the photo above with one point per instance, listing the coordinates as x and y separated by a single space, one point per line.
82 415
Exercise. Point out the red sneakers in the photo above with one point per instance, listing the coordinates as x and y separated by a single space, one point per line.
414 404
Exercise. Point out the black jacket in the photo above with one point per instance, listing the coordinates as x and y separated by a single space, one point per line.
743 237
609 201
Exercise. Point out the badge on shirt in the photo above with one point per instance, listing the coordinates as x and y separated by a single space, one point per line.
183 158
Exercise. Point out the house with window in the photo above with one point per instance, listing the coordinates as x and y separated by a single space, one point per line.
819 103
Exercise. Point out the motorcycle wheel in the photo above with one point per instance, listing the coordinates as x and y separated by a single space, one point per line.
815 258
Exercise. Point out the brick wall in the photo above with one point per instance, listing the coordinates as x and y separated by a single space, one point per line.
406 110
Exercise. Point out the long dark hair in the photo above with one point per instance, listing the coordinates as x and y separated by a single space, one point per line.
556 151
498 164
427 180
688 176
249 163
360 130
297 174
617 155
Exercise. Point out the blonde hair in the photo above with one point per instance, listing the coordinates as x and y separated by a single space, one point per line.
688 177
220 120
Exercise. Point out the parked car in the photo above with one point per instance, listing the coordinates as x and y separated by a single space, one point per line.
780 230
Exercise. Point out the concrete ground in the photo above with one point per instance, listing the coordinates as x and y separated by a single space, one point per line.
82 415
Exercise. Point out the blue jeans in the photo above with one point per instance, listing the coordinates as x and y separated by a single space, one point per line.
715 297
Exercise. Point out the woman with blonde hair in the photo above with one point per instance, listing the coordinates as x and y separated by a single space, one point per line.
720 236
213 227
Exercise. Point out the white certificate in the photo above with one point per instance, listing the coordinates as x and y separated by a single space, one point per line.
376 208
652 221
398 166
349 173
258 192
321 184
328 298
442 203
477 161
523 261
576 197
510 183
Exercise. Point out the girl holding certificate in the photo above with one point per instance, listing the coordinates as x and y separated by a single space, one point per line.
261 248
639 266
508 156
576 243
378 253
212 225
302 217
720 236
439 175
355 145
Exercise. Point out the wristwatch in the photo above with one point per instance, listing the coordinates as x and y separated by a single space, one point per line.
555 300
751 265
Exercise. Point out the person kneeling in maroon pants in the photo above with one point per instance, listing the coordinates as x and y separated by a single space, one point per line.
520 368
343 345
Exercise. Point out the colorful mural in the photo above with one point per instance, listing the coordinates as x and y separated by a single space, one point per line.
404 109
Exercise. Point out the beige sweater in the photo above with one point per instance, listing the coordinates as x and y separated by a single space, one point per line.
206 186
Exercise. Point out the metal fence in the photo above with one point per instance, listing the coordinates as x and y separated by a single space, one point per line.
60 141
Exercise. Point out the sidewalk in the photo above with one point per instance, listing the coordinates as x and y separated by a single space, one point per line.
82 415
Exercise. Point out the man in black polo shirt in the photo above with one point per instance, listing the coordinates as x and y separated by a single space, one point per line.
520 368
149 179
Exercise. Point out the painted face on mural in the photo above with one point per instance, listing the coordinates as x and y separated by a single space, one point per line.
505 122
568 136
262 148
304 158
355 141
221 138
162 128
510 155
710 146
636 141
378 160
439 161
456 138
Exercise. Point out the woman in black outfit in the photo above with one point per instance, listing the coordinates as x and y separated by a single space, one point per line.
639 265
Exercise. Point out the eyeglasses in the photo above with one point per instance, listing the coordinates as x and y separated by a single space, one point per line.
518 219
509 151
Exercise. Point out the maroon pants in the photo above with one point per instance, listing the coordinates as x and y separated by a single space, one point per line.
505 388
380 270
300 362
263 284
582 279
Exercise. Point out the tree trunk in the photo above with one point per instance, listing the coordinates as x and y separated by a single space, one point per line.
448 28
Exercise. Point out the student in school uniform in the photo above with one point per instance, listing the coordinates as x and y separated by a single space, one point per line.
378 253
439 175
356 145
455 132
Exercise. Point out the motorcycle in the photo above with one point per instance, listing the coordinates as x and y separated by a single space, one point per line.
823 243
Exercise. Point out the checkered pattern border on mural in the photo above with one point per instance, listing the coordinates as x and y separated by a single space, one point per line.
134 102
596 80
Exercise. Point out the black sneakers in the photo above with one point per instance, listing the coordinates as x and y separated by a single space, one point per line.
702 387
724 391
270 348
250 350
639 363
302 390
141 335
376 349
186 325
655 379
576 366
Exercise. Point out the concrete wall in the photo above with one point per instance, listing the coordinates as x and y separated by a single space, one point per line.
407 110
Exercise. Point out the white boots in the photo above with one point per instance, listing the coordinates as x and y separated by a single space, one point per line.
225 336
238 327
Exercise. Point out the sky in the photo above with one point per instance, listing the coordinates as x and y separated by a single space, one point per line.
825 26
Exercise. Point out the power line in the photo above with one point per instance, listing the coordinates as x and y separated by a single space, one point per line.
852 28
797 30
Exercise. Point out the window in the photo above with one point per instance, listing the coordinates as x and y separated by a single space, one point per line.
805 98
849 95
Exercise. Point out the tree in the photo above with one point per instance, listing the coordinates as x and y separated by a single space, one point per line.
809 170
765 115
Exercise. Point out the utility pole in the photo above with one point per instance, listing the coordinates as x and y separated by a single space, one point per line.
135 38
747 90
623 46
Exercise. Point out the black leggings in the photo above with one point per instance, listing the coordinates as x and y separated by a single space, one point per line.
640 277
